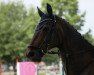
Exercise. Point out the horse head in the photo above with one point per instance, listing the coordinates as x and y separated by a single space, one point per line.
46 36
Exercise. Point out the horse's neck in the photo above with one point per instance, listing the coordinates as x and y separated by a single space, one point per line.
76 44
72 38
81 54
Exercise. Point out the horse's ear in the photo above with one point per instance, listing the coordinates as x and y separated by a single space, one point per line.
40 12
49 9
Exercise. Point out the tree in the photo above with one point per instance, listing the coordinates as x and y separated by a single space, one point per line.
89 37
12 18
16 29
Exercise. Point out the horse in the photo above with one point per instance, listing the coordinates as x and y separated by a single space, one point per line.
76 53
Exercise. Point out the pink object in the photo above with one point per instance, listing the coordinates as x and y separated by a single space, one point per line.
27 68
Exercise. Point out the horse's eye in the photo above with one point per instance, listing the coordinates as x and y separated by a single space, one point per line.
45 29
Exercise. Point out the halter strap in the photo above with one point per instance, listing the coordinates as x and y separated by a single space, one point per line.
48 37
47 20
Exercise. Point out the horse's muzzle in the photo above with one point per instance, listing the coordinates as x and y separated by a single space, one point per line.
34 55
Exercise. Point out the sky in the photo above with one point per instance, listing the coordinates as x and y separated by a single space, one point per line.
88 6
84 5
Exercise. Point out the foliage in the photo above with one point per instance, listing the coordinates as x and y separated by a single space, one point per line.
16 28
89 37
11 29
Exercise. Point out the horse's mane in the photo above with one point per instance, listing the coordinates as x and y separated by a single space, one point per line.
71 32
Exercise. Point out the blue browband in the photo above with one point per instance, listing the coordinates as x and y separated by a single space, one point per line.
40 23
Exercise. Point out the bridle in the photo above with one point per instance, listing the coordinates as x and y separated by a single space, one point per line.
48 37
